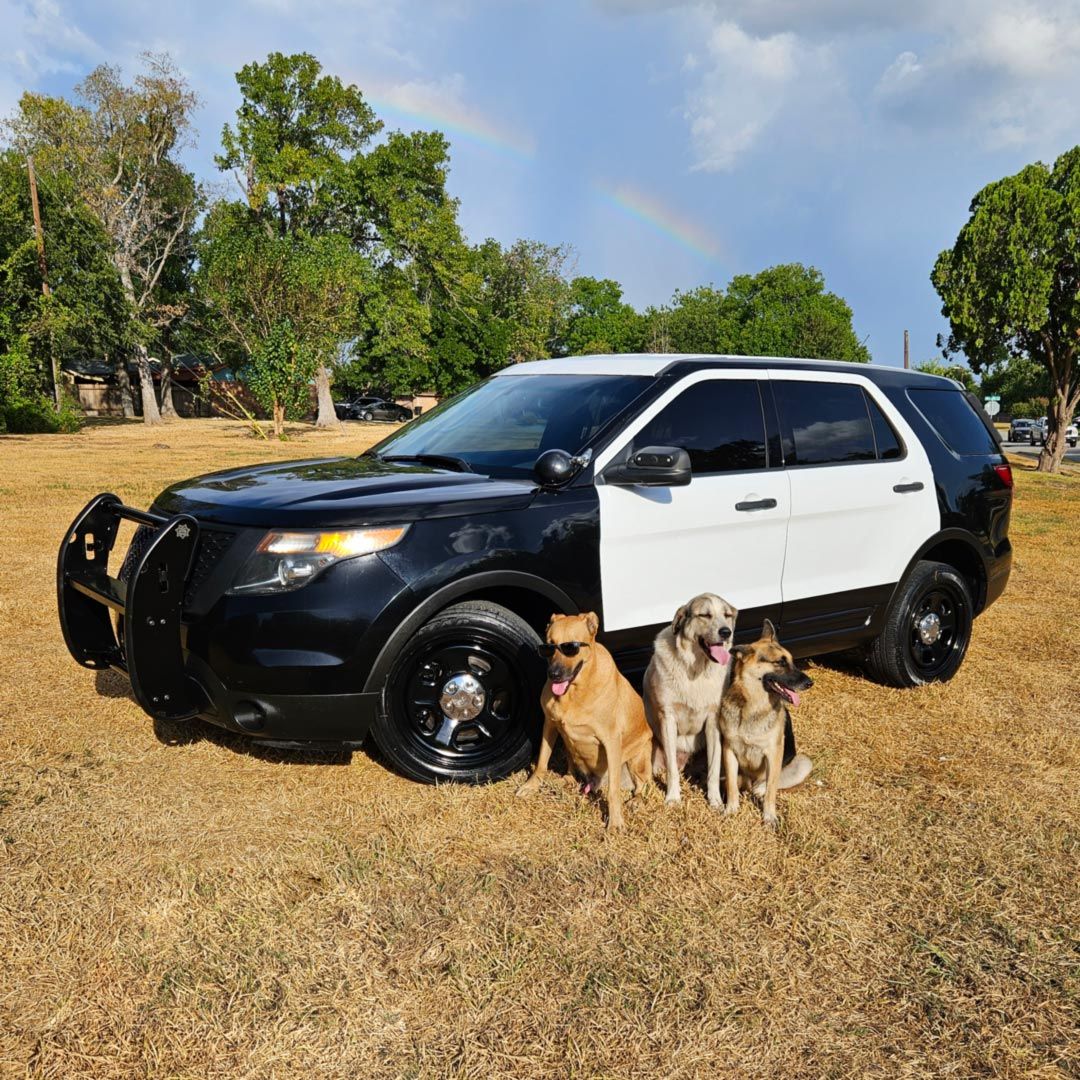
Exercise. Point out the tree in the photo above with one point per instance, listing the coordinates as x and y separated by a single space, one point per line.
277 307
598 321
85 314
781 311
119 149
1017 381
1010 285
303 152
957 372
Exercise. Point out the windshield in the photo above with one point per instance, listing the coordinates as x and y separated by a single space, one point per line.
500 427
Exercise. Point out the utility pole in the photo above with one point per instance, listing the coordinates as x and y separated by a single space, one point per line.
45 290
907 352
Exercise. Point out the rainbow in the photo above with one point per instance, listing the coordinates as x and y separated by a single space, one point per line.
660 218
423 105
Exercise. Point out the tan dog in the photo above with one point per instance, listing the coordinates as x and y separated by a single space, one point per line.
685 681
595 711
753 716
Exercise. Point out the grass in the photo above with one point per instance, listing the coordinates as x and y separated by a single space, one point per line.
176 903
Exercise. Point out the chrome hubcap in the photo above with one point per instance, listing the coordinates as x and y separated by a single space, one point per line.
929 628
462 697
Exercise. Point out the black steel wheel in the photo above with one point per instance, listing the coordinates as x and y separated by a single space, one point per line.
927 630
463 697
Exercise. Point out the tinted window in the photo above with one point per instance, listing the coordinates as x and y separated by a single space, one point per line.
718 421
888 442
950 414
500 427
824 423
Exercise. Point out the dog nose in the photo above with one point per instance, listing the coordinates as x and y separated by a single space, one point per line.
725 633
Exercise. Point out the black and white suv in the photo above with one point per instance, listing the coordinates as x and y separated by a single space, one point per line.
402 593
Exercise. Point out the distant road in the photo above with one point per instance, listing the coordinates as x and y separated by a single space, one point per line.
1033 451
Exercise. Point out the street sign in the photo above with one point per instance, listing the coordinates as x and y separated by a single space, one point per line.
993 397
992 406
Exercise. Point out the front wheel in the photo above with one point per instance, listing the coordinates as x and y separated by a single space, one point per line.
462 701
927 630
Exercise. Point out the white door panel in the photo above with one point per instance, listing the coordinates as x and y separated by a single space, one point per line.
661 546
849 528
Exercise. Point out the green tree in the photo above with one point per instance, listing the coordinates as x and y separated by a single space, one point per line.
304 154
85 315
120 148
1010 285
1017 381
958 372
278 307
782 311
599 321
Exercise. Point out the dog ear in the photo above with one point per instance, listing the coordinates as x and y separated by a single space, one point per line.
679 621
592 621
741 652
768 631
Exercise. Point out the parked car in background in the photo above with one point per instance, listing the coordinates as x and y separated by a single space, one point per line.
372 408
1038 431
1020 430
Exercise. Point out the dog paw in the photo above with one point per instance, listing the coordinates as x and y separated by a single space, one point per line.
615 826
770 821
527 789
673 798
731 809
715 802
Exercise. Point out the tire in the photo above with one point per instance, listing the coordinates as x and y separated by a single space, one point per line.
367 415
497 649
901 655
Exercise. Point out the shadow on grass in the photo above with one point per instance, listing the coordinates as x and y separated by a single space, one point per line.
186 732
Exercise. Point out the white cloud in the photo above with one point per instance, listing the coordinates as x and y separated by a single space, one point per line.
995 73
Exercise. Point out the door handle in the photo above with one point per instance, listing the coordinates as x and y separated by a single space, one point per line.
756 504
903 489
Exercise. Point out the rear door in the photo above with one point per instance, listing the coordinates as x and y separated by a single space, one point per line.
725 532
862 500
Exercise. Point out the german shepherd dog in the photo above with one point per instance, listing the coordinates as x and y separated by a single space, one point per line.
752 719
596 712
685 681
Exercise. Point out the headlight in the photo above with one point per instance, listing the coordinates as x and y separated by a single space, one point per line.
287 560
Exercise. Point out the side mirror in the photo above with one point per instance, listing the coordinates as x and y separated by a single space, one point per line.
652 466
554 467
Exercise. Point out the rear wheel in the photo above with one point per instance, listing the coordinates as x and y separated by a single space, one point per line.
463 697
927 630
368 415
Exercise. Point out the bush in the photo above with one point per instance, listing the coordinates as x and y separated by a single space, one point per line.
38 416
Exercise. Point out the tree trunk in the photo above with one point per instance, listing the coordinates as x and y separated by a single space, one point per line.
150 412
327 417
127 405
1058 417
168 406
279 419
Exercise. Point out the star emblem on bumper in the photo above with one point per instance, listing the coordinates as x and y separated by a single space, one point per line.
183 532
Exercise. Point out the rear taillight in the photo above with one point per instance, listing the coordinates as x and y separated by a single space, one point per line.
1005 472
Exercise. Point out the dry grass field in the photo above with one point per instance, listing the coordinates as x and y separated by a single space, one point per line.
177 903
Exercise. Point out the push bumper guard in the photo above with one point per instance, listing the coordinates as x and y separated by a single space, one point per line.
150 601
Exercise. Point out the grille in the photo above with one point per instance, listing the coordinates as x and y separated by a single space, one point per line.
211 546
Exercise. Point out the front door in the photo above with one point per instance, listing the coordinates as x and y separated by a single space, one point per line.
724 533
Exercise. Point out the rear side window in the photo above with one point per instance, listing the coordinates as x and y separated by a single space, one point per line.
951 415
719 422
889 447
824 423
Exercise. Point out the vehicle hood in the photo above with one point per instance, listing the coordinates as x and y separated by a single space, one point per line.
339 492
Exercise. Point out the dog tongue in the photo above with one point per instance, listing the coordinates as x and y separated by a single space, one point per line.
560 688
793 697
719 654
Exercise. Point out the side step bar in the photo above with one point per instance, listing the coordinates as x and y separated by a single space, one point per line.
150 601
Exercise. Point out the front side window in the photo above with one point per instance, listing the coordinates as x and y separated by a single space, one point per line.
500 427
719 422
824 423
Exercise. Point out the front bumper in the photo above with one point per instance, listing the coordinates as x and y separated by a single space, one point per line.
287 671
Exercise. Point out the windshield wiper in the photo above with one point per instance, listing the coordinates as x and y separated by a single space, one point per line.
445 461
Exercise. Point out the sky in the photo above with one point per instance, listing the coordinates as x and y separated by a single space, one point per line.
670 144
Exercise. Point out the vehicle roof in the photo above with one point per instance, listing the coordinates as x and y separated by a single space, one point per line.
655 364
